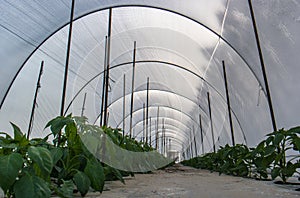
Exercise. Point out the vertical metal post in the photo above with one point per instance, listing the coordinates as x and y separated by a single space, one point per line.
164 139
169 147
150 131
132 88
103 83
195 144
83 105
107 67
133 132
166 146
63 98
124 103
188 153
211 122
263 67
162 136
191 143
157 122
147 110
155 140
38 86
201 131
107 117
228 103
143 138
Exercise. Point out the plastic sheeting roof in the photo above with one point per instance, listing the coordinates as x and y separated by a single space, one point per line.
180 48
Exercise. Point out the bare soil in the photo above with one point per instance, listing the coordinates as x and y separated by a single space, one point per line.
185 182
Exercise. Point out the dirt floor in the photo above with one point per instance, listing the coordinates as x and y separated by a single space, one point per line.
183 182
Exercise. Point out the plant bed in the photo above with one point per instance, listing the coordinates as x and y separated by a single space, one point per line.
64 168
267 161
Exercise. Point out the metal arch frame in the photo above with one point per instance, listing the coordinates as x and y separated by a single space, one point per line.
171 131
168 118
170 125
170 134
178 142
165 91
164 106
184 138
140 109
120 6
146 61
168 92
172 120
184 97
165 63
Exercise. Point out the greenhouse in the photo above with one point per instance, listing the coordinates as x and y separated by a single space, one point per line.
97 92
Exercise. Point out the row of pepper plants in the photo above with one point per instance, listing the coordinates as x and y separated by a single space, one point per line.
268 160
36 168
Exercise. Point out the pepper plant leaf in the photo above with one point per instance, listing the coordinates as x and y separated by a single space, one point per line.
32 186
82 182
42 157
10 165
95 172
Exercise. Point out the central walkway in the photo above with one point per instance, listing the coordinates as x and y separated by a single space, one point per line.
185 182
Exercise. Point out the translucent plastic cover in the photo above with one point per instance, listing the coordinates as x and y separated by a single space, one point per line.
180 50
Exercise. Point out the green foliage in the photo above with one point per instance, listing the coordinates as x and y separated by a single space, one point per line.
10 165
233 160
114 174
95 173
267 159
42 159
82 182
31 186
126 142
21 160
284 140
36 168
65 190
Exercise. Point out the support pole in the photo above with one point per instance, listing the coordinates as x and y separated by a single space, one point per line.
103 83
228 104
263 67
164 139
195 144
201 131
38 86
169 147
63 98
155 133
147 110
124 103
150 124
143 138
157 122
191 144
107 68
162 136
211 123
132 88
83 105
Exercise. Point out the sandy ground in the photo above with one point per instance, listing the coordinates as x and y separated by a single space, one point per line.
183 182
